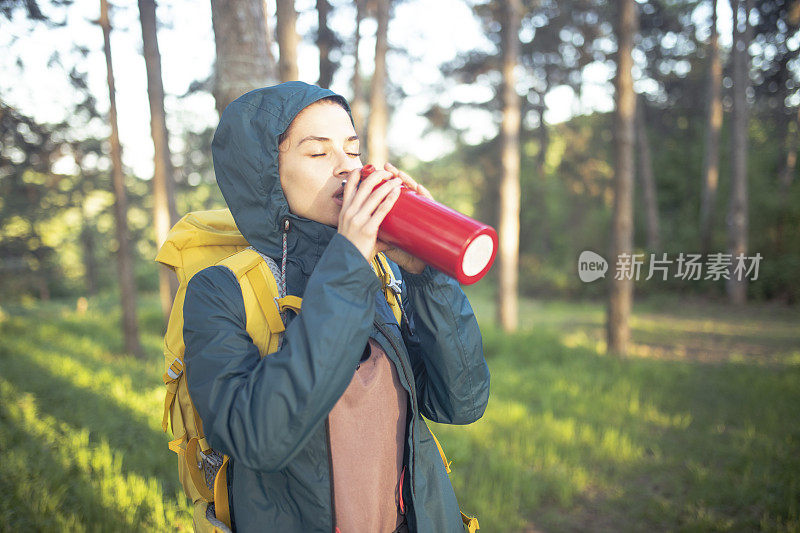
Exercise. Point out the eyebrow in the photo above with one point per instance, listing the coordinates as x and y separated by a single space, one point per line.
324 139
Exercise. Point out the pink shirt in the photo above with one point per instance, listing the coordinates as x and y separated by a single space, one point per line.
367 430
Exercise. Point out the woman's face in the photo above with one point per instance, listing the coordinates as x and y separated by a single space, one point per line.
320 150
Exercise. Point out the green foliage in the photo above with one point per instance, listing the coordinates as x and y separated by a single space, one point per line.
699 432
27 193
80 430
567 203
576 441
57 230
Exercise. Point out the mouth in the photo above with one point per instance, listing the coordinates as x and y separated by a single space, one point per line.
338 195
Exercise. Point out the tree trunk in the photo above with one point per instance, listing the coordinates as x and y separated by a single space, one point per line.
89 263
242 49
358 105
124 256
44 290
541 160
647 180
87 236
165 213
737 206
378 114
713 128
43 272
325 42
785 179
287 39
508 227
273 66
620 291
790 162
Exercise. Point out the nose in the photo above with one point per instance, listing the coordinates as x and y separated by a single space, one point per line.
345 163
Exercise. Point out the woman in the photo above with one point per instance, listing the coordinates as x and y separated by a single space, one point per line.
326 433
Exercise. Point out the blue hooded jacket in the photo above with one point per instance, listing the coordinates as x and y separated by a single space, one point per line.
269 415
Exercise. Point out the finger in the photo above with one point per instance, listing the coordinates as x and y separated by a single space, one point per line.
365 186
365 190
425 192
375 199
350 187
383 209
410 182
381 246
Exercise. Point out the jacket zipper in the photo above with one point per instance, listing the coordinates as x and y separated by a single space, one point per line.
330 470
413 400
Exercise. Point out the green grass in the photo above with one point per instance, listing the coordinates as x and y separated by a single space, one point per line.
699 430
81 446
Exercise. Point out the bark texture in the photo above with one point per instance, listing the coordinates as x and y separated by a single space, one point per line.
286 32
242 49
165 213
620 291
647 179
326 41
508 223
737 218
358 105
713 128
130 325
378 113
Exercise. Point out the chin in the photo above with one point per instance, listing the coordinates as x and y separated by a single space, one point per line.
328 216
332 220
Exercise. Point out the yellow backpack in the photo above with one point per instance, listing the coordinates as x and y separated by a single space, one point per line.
201 239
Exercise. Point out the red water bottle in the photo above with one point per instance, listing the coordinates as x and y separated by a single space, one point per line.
456 244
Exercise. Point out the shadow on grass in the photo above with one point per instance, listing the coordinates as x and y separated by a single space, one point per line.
38 492
574 441
144 448
571 440
92 354
101 324
67 366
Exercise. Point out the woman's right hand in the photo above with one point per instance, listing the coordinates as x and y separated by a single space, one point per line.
363 209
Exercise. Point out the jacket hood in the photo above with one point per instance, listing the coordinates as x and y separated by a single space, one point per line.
245 155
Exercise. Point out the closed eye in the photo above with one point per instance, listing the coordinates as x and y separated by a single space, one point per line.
351 154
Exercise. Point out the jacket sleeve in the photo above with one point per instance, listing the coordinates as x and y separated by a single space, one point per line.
444 343
261 411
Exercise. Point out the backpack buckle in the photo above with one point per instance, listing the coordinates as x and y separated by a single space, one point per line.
394 285
175 369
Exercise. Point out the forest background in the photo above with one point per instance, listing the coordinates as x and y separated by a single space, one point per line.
618 127
58 239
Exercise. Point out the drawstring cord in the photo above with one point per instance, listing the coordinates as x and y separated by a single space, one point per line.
283 256
282 281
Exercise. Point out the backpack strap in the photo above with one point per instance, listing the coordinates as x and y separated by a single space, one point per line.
470 522
261 298
195 469
264 302
221 506
391 285
441 452
289 302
